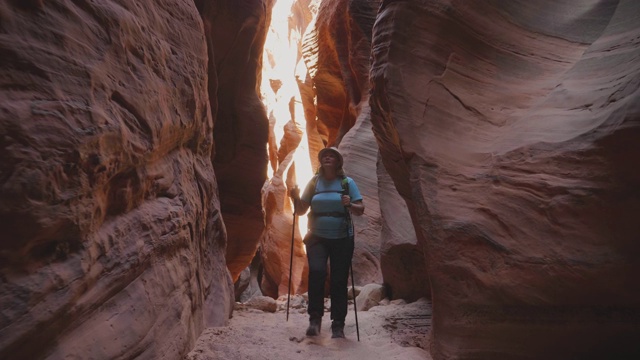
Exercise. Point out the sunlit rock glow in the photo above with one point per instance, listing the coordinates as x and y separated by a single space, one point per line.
287 150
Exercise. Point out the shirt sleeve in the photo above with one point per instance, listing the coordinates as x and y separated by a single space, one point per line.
354 193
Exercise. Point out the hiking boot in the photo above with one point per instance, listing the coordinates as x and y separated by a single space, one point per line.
337 329
314 326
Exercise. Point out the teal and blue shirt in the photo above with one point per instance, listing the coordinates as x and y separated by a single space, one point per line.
326 198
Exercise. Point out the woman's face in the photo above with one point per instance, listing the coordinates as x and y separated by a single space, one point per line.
329 159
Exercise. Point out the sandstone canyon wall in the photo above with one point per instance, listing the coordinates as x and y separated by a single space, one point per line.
386 235
112 242
235 33
512 130
337 52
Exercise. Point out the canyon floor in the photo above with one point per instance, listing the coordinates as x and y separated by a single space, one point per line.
392 331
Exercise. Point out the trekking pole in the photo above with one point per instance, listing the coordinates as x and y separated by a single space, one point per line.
345 191
355 307
293 234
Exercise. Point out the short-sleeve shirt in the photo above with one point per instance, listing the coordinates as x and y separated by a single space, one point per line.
326 198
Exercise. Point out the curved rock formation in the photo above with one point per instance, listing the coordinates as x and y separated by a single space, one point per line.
276 246
282 100
235 33
112 243
511 129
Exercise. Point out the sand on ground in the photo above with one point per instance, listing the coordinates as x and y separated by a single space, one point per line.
393 331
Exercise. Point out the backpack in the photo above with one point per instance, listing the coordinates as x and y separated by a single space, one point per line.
344 183
345 191
309 239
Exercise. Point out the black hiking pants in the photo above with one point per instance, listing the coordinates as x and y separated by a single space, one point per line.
339 252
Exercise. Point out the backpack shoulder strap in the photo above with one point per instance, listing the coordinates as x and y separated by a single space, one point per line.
315 184
345 191
345 185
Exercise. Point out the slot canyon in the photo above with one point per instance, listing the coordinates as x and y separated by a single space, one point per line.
148 149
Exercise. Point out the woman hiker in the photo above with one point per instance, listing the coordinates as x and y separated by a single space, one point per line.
330 194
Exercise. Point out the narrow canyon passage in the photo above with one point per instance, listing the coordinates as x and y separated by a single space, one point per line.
303 92
147 149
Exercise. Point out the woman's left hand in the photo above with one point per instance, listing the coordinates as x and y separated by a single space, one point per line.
346 200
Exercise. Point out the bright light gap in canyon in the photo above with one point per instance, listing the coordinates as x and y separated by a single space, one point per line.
281 65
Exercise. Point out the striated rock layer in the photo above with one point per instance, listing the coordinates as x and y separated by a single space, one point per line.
511 129
112 243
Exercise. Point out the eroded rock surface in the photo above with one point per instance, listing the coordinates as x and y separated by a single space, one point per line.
511 129
112 243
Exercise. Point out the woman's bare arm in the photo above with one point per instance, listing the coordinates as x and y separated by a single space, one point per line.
300 205
357 208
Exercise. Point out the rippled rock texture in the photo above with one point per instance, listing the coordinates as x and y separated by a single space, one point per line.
512 130
112 242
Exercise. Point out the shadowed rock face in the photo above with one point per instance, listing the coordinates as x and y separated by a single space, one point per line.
112 243
511 129
235 33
